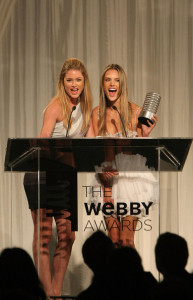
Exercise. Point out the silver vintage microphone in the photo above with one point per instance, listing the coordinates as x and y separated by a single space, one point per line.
150 108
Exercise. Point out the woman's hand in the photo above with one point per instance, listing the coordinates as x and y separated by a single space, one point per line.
105 176
145 129
107 173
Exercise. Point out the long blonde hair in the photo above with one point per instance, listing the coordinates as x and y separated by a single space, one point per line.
125 110
85 97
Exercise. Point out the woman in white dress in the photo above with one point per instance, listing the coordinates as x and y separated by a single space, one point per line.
73 99
121 186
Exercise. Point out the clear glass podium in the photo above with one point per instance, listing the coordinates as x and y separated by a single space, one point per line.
162 157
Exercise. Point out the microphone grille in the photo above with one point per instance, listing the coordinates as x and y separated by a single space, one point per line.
114 107
73 108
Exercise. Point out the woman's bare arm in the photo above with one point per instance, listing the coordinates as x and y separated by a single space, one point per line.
51 116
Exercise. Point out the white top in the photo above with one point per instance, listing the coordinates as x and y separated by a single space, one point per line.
59 130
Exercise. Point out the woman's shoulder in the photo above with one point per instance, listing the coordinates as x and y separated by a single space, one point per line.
135 108
54 104
54 108
95 111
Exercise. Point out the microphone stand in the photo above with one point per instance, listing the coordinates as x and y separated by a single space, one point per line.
115 108
73 108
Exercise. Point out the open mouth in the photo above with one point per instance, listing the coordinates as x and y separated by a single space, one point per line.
112 92
74 91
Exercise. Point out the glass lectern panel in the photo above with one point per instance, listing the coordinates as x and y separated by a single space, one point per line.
122 186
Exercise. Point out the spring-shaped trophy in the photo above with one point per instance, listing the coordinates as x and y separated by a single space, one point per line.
150 108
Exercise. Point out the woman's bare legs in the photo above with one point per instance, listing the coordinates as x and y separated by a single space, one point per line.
127 231
113 228
62 254
45 238
52 285
122 232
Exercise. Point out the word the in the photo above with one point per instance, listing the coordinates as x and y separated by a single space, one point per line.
89 189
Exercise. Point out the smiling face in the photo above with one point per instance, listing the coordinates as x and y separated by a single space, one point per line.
73 83
112 85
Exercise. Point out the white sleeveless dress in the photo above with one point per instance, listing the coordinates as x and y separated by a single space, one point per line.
59 193
136 182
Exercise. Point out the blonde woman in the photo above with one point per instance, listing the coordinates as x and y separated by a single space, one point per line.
120 186
73 98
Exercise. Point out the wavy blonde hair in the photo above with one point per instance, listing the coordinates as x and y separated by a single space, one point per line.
125 110
85 97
